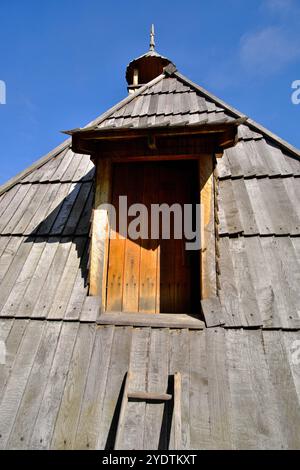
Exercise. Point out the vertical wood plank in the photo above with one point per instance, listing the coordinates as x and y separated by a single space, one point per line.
118 367
149 266
177 411
66 423
131 287
92 404
218 389
51 401
208 255
100 230
115 274
157 382
32 397
179 362
132 434
17 381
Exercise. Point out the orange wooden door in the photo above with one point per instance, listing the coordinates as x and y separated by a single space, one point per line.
148 275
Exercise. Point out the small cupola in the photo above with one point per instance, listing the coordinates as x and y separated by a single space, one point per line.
145 68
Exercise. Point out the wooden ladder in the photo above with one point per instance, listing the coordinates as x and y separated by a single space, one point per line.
152 398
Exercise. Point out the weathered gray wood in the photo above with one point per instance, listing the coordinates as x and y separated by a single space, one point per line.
10 247
90 309
229 202
267 406
246 214
37 280
131 436
7 197
290 273
179 362
284 218
252 124
84 168
19 210
14 270
280 373
292 188
65 210
17 381
77 209
212 311
46 172
255 158
122 415
157 381
34 202
51 191
12 208
291 340
80 289
279 282
247 296
92 402
35 166
218 389
5 327
84 224
52 396
33 393
72 168
235 166
87 432
68 278
159 320
229 292
64 161
67 419
16 297
198 392
55 271
260 210
53 209
262 282
12 343
118 367
246 420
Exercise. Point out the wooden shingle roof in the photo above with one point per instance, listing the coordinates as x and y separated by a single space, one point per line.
45 216
61 381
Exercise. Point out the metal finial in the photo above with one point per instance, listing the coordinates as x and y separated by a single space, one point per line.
152 42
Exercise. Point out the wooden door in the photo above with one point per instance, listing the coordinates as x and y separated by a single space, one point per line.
148 275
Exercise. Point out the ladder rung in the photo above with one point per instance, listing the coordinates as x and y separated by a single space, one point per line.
148 396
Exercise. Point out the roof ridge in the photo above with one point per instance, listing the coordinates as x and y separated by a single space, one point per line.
67 143
250 122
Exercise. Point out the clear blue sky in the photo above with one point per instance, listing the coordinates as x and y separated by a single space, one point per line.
63 62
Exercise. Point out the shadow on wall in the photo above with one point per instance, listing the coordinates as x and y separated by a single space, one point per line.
70 221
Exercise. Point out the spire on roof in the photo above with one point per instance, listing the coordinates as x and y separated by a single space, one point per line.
152 42
146 67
